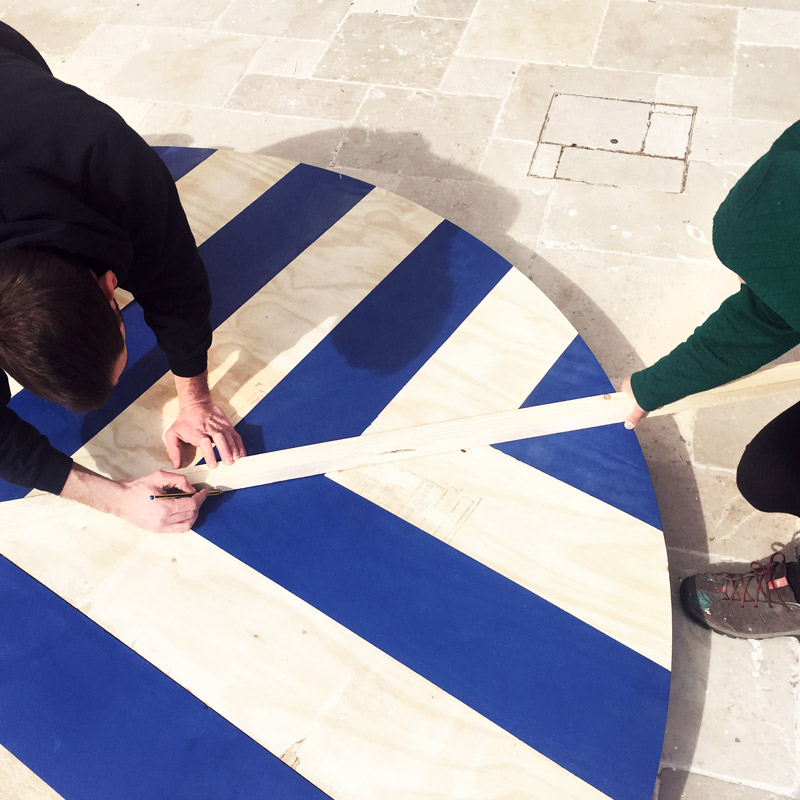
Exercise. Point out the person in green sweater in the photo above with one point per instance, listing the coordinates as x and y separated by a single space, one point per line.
756 234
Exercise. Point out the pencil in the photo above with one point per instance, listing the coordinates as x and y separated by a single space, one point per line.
175 495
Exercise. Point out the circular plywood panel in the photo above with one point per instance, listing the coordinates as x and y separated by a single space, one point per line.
483 623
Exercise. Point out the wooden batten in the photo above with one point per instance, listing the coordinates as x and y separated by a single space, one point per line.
422 440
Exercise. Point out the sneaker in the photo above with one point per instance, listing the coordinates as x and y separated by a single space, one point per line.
757 604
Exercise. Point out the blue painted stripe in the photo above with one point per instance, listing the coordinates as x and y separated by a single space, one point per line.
515 658
576 695
182 160
240 258
344 383
605 462
95 721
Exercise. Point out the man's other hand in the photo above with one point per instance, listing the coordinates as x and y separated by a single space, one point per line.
205 425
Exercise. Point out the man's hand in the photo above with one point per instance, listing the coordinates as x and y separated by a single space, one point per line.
638 413
162 516
131 499
201 423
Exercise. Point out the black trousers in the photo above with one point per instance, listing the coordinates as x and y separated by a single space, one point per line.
769 472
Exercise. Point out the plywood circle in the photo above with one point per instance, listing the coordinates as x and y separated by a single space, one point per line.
480 624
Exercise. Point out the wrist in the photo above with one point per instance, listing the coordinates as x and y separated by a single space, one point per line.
193 391
94 490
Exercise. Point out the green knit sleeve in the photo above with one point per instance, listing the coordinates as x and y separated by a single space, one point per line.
742 335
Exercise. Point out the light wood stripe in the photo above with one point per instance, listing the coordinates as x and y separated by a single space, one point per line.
122 297
491 362
13 386
224 185
594 561
17 782
512 518
270 334
353 721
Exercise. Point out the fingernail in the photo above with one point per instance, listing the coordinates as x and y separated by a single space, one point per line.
628 425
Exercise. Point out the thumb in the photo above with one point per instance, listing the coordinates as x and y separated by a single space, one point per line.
637 413
635 417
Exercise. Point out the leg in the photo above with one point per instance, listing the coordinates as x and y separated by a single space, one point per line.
769 471
765 600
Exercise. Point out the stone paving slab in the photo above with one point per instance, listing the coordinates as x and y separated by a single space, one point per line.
286 96
548 31
636 220
488 76
759 92
532 92
679 785
620 170
300 19
712 97
659 37
445 101
391 50
733 141
444 135
283 55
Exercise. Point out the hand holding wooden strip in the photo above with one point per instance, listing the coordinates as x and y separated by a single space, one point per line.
487 429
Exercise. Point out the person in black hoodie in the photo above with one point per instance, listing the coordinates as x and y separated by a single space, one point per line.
85 205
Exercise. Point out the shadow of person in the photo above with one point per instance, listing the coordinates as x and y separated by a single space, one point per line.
386 338
404 163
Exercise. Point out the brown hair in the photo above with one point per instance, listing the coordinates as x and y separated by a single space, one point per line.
59 335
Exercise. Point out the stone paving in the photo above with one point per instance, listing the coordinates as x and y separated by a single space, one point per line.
473 109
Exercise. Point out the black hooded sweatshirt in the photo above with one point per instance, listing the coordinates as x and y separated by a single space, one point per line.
75 178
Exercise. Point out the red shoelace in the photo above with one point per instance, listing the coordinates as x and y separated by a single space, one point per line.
761 575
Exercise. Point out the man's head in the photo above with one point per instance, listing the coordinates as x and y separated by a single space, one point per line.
61 333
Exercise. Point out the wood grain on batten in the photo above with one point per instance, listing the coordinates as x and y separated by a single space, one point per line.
17 782
356 722
415 441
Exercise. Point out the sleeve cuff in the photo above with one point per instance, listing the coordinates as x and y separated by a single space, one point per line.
54 473
189 368
644 398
